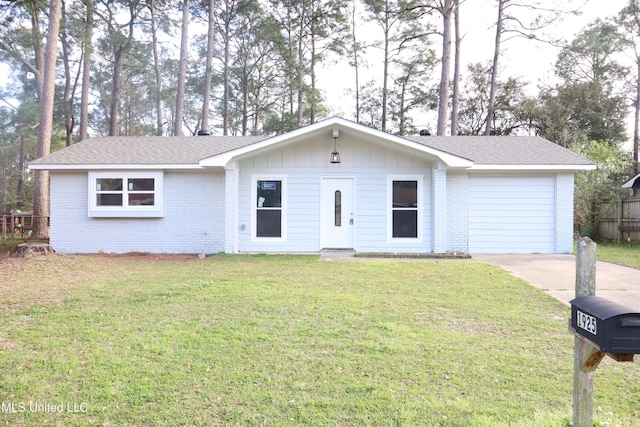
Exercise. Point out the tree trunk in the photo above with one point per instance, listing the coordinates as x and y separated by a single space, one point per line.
182 71
86 73
456 74
313 101
41 187
355 60
67 98
119 54
4 193
225 71
300 71
443 102
28 250
19 201
156 68
385 75
494 70
206 96
116 88
636 128
401 109
38 50
245 107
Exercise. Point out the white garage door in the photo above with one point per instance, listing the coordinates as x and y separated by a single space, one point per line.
511 214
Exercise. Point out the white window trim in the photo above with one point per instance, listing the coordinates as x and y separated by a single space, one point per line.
254 207
419 179
154 211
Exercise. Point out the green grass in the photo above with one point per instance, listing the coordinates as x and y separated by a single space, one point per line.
287 341
623 254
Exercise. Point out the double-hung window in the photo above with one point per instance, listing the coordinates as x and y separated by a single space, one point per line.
125 194
404 207
269 208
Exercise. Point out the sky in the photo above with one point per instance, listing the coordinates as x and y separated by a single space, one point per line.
531 61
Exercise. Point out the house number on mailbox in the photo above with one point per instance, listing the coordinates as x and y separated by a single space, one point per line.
586 322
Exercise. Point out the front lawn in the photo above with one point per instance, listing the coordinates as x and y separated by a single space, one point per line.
287 340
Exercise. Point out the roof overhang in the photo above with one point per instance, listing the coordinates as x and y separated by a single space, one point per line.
325 126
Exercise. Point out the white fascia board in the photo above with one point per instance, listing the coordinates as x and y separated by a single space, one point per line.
535 167
111 167
222 160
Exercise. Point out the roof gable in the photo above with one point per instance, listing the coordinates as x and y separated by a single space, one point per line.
326 127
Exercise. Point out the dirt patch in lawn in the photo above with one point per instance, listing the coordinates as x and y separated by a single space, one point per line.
45 281
37 282
8 247
148 256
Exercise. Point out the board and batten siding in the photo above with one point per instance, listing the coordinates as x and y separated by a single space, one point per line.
304 165
520 213
193 220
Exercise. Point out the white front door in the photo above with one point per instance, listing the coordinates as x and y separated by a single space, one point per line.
337 213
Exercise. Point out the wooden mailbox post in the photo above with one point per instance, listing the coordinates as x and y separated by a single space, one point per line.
601 328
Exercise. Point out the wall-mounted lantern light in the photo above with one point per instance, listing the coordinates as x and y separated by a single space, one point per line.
335 156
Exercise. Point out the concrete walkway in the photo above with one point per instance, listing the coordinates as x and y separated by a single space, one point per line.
556 275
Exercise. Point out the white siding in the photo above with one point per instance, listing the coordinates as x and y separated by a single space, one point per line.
304 166
512 214
193 219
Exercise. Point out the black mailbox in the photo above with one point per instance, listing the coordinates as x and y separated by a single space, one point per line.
609 325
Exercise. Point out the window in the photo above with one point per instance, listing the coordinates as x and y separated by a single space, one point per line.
121 194
404 208
268 212
337 214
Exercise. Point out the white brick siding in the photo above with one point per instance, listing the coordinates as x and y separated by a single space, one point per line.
231 214
439 179
457 212
564 212
193 219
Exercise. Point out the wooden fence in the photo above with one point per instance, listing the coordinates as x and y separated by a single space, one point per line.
16 223
618 221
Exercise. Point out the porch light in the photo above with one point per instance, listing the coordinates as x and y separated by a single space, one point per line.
335 156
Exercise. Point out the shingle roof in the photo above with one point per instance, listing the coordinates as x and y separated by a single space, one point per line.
190 150
147 150
503 150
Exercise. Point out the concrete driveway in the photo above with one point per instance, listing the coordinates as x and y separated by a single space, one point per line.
556 275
